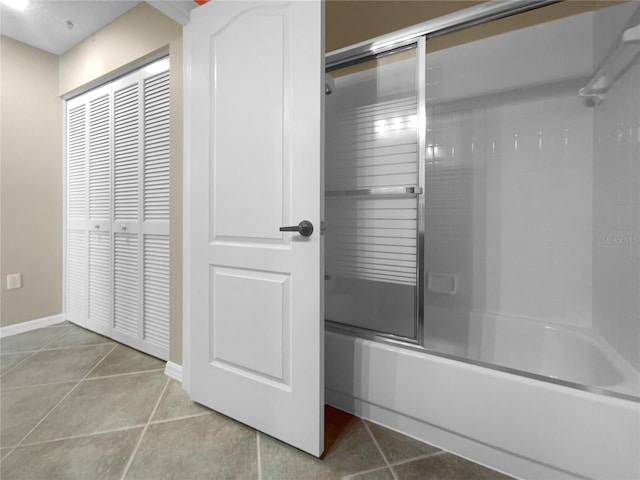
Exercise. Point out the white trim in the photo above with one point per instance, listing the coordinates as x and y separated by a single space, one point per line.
173 370
117 73
178 11
186 210
29 325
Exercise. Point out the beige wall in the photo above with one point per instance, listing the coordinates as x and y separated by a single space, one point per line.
31 182
138 34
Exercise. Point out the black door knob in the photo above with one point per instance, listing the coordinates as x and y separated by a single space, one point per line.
304 228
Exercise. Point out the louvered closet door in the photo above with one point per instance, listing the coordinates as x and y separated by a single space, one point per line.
127 151
99 196
76 193
141 209
155 207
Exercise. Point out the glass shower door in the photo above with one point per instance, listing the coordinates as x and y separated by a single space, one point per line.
372 191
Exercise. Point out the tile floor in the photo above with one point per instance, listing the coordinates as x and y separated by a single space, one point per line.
76 405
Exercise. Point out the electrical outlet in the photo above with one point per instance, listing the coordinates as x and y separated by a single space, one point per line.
14 281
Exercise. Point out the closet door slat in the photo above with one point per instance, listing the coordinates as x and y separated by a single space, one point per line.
100 295
100 158
126 153
156 290
126 281
156 147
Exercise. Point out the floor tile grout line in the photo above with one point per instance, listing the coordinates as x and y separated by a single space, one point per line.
84 435
144 430
375 441
71 347
35 385
84 378
395 464
184 417
57 404
17 387
362 472
258 455
419 457
55 349
123 374
33 352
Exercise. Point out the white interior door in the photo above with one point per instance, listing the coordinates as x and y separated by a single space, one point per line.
255 91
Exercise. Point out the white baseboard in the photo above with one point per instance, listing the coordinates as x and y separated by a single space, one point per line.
174 371
31 325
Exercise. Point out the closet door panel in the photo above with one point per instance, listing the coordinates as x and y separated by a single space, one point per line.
126 281
76 204
100 282
99 134
156 149
155 207
126 152
77 162
156 292
126 210
100 155
76 279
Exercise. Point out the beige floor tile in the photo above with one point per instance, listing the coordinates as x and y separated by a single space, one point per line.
10 360
351 452
379 474
126 360
22 408
102 404
77 336
101 456
205 447
176 403
31 341
445 467
398 447
52 366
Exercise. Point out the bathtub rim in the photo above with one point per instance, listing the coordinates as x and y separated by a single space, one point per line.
401 342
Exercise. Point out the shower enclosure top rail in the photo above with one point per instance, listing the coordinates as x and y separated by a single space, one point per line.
437 26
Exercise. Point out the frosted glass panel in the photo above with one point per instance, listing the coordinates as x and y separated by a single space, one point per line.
371 206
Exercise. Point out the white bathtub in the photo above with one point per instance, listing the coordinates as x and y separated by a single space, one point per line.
522 426
565 353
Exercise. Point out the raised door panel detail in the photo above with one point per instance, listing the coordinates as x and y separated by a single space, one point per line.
250 315
250 165
126 281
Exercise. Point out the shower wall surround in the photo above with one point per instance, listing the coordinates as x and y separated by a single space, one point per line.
616 198
509 181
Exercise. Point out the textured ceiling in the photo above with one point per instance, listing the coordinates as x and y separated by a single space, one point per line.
44 23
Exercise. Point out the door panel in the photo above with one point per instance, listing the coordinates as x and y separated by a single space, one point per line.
256 165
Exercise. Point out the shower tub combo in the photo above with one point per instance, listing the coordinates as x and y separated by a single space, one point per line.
483 236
